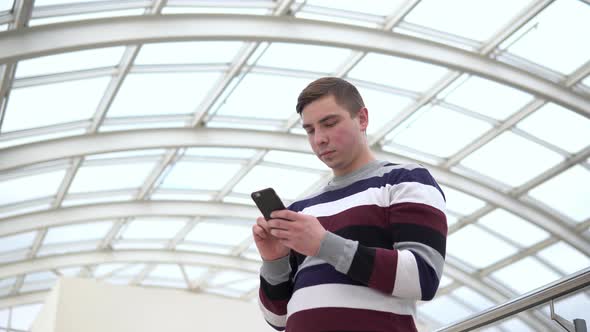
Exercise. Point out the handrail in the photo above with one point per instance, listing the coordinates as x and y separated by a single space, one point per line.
563 286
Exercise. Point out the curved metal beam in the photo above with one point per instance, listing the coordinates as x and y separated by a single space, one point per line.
79 35
129 256
116 210
19 156
68 147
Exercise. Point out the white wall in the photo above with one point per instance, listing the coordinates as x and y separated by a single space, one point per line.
91 306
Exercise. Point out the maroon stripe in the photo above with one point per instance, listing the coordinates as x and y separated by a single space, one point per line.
347 319
384 270
418 214
362 215
276 307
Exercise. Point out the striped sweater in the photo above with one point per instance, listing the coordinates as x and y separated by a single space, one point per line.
384 250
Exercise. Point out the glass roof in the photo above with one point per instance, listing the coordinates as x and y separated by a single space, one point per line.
171 132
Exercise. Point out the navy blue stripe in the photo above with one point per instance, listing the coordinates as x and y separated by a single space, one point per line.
396 176
319 275
278 292
428 278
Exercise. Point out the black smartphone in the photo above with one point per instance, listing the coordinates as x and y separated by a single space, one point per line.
267 201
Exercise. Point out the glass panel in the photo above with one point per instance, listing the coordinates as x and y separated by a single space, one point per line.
166 275
373 7
23 316
31 139
288 184
188 52
566 194
104 269
216 233
560 126
198 175
473 298
6 5
513 227
38 281
411 132
252 97
82 17
161 93
215 10
213 249
491 248
574 306
542 39
444 310
71 61
460 202
80 232
563 256
181 196
70 271
397 72
126 154
320 59
18 189
122 127
336 19
518 276
445 281
153 228
382 106
60 249
68 102
3 315
220 152
511 159
224 278
39 3
16 241
479 20
110 177
72 200
295 159
195 272
489 98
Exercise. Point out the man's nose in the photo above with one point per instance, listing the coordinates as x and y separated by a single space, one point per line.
320 137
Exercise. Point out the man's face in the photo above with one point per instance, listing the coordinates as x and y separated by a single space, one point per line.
334 135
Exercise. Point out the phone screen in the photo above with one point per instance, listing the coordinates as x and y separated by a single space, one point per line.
267 201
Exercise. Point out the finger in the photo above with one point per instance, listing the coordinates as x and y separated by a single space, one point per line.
285 214
277 223
260 221
279 233
259 232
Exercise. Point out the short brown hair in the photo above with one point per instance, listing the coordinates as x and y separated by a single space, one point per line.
344 92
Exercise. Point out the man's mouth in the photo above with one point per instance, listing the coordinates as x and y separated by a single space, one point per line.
326 153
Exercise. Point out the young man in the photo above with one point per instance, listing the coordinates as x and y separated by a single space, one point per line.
357 255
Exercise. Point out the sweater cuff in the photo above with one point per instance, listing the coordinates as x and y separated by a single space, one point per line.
276 271
337 251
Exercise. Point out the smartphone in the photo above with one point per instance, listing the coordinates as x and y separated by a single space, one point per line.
267 201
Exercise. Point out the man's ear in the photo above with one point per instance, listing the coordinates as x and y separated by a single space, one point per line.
363 116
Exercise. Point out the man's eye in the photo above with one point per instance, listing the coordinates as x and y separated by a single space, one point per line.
330 124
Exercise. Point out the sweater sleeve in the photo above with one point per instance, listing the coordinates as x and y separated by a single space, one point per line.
276 288
412 268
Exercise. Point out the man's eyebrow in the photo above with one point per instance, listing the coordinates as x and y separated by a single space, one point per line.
322 120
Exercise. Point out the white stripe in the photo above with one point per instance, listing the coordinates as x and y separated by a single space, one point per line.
272 318
348 296
407 192
407 279
415 192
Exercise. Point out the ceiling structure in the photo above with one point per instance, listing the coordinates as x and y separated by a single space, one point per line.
132 133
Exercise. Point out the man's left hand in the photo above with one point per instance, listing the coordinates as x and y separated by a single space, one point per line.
300 232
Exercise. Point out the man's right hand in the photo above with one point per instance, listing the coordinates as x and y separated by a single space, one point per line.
268 246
